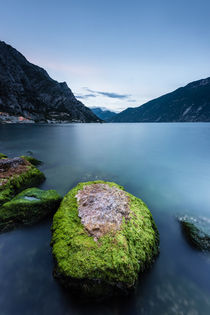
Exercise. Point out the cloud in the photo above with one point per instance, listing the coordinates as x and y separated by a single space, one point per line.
131 101
109 94
85 96
115 95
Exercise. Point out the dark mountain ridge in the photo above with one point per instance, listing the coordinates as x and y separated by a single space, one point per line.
186 104
27 90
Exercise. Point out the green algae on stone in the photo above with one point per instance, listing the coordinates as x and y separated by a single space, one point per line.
196 231
14 180
3 156
32 160
28 207
110 264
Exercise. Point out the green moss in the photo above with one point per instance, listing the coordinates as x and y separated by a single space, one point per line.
3 156
17 183
28 207
115 260
32 160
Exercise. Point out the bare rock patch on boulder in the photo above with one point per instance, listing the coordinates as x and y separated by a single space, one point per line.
102 208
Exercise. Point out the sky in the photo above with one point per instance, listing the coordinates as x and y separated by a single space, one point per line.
113 54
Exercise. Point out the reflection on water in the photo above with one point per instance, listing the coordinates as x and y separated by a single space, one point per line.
30 198
167 165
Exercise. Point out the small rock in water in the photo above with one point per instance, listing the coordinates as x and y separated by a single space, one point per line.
28 207
197 231
17 174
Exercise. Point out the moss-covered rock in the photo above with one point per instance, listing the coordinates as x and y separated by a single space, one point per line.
94 254
16 175
197 232
32 160
3 156
28 207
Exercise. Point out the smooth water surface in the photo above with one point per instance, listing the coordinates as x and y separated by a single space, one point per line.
167 165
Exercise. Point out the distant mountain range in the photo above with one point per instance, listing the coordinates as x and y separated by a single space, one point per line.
186 104
27 93
103 113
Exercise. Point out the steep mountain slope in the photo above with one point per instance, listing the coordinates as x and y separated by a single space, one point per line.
186 104
102 113
27 90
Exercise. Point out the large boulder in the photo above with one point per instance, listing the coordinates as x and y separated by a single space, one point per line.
102 238
28 207
196 231
17 174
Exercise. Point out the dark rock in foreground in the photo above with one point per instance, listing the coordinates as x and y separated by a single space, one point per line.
28 207
197 232
103 237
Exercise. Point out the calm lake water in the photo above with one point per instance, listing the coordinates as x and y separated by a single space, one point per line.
167 165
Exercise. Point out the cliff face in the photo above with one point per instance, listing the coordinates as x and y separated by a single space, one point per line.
187 104
27 93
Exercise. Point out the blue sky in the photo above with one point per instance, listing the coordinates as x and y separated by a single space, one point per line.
113 54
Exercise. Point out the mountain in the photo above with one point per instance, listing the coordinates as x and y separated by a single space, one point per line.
186 104
103 113
27 93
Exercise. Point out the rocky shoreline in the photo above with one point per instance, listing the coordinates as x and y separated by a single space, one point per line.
6 118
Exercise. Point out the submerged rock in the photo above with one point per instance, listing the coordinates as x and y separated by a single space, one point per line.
102 238
196 231
28 207
17 174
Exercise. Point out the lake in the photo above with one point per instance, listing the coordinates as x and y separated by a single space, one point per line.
166 165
